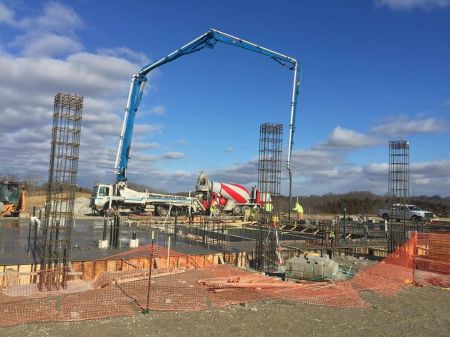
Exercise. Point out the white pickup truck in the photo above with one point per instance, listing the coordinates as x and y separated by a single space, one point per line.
408 212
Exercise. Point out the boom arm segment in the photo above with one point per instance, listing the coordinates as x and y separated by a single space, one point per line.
209 39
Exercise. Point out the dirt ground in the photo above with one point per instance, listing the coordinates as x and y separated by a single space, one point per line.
413 312
39 199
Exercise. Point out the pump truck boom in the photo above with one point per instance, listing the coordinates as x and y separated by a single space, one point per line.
138 81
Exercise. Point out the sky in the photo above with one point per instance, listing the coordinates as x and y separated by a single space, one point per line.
372 71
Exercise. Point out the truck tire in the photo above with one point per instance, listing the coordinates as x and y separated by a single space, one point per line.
385 216
237 210
162 210
245 209
415 218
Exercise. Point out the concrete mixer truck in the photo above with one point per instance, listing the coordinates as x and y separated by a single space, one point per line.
228 198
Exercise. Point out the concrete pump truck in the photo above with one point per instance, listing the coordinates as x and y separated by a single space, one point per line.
108 197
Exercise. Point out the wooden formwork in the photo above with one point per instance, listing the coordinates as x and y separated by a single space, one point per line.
14 275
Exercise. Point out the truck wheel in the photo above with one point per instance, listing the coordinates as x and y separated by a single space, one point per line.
237 210
162 210
385 216
415 218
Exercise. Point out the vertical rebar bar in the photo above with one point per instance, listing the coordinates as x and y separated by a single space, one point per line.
150 267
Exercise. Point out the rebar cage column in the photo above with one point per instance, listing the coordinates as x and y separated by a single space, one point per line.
62 179
269 181
398 169
398 191
269 165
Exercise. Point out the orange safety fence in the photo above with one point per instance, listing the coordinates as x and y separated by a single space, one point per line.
432 262
154 278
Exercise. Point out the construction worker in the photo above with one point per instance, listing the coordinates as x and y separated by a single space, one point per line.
299 210
247 213
212 209
254 213
332 237
275 219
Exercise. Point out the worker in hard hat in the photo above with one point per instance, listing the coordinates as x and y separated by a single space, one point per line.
299 210
254 213
275 219
247 212
332 237
212 209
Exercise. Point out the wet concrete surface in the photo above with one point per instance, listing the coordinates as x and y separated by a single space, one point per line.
17 241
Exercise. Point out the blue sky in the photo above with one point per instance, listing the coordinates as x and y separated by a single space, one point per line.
372 71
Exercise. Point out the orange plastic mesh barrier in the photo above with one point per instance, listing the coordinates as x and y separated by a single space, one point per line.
151 277
432 263
390 275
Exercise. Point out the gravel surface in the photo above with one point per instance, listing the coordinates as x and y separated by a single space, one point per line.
414 312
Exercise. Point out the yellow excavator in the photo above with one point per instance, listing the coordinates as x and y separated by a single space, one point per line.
12 198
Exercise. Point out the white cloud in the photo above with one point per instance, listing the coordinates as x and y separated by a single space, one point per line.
320 172
48 45
173 155
6 15
401 126
28 84
144 146
158 110
400 5
345 138
146 129
52 33
229 149
241 173
123 52
182 142
55 18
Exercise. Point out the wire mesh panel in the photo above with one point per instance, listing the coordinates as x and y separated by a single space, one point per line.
65 144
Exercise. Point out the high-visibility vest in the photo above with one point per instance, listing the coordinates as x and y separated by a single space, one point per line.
268 207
